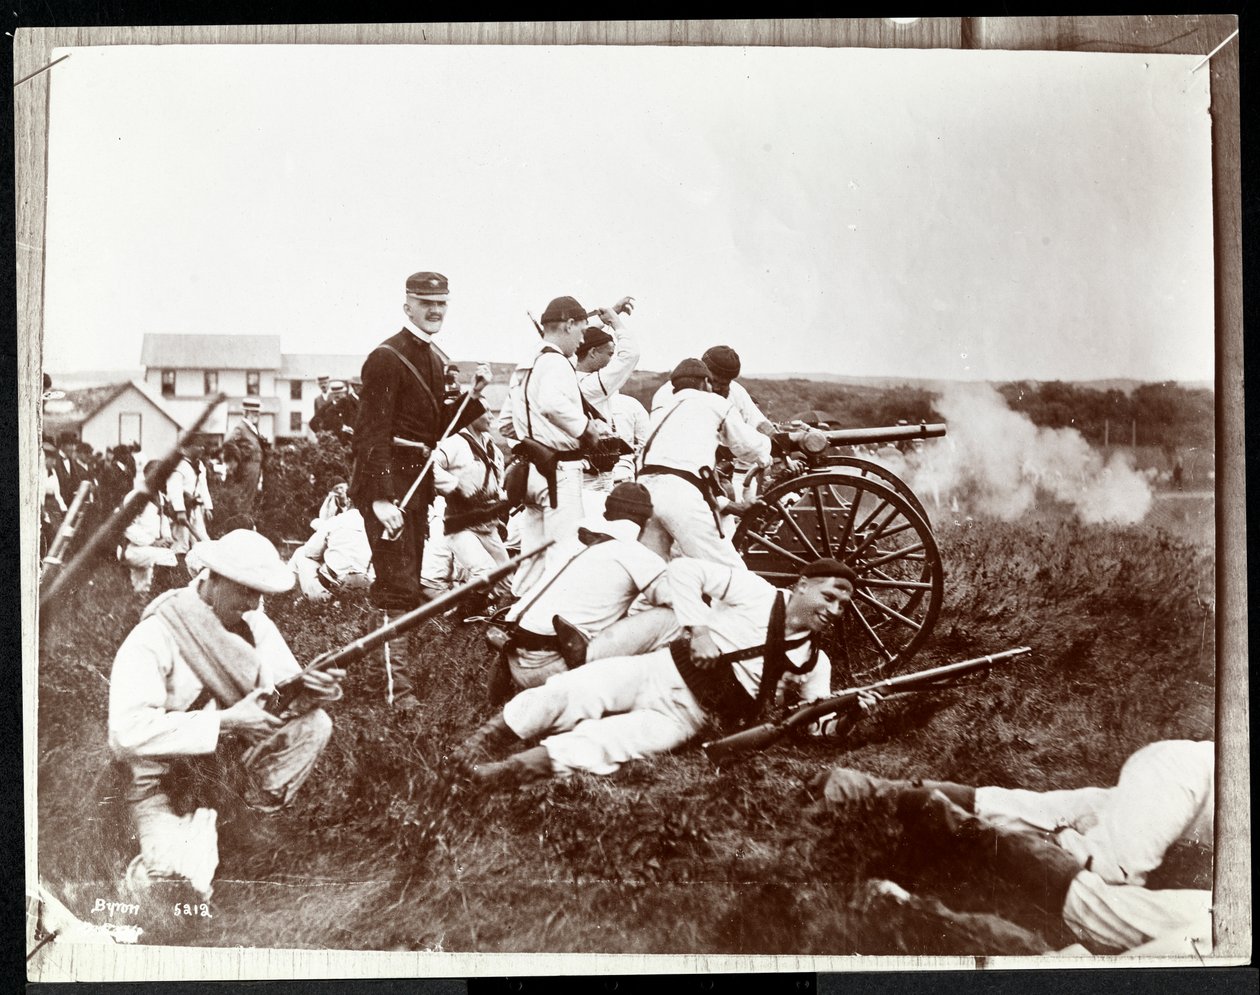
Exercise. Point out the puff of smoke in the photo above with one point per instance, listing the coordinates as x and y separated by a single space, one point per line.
995 460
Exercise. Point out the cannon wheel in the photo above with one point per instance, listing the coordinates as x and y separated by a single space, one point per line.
874 529
849 464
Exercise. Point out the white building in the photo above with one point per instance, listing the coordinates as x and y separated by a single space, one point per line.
112 415
187 370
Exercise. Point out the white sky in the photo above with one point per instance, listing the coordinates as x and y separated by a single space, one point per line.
928 214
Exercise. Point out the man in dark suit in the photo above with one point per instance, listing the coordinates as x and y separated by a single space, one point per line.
403 412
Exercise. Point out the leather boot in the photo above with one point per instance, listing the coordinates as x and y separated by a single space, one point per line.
573 642
1040 870
518 769
491 737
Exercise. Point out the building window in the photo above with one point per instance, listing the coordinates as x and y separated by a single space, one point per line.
251 383
211 381
295 390
295 420
168 383
128 427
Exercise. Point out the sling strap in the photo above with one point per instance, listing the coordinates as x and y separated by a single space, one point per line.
437 407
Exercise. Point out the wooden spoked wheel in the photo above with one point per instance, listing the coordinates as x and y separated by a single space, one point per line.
873 528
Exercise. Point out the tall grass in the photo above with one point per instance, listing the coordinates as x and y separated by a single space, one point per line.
381 851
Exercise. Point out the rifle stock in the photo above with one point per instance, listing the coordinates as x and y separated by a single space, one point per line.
69 526
284 693
765 734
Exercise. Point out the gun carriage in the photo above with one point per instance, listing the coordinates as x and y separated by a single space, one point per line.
858 511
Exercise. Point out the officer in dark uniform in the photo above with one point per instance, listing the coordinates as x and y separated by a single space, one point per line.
403 412
339 414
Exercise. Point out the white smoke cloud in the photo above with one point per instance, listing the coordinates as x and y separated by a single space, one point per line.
995 461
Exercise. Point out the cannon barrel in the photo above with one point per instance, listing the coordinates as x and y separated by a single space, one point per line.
815 440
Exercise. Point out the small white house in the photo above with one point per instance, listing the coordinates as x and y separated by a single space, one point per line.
112 415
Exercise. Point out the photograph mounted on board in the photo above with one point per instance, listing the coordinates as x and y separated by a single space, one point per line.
627 500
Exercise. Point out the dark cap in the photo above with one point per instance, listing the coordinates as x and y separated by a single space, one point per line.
827 567
592 338
67 439
563 309
430 286
723 361
689 368
336 481
630 501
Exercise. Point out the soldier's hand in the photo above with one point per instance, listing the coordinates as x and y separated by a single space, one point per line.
704 651
249 718
625 305
609 317
324 683
481 379
388 514
595 430
209 513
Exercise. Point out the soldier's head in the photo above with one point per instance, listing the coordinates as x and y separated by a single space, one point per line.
630 501
339 487
563 324
242 566
481 424
425 303
820 594
596 349
723 364
691 374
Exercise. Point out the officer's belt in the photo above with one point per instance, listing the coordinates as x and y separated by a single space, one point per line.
706 491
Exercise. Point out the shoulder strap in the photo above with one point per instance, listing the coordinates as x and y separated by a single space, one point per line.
437 408
652 438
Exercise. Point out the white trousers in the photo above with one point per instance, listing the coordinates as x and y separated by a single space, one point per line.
451 560
141 560
682 513
608 712
540 522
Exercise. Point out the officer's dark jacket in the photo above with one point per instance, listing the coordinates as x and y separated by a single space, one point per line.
393 405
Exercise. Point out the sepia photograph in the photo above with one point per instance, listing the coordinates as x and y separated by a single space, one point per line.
632 497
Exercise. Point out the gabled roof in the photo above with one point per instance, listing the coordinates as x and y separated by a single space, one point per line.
211 352
309 365
77 406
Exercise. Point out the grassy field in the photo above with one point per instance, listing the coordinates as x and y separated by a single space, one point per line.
668 856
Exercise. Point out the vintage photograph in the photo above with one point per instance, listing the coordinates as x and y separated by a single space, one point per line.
574 499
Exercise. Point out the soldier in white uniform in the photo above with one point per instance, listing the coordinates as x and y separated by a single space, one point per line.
676 464
335 559
1084 853
468 474
147 542
603 571
546 405
188 682
746 638
184 493
630 424
723 364
604 364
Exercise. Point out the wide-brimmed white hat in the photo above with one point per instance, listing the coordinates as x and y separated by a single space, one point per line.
248 558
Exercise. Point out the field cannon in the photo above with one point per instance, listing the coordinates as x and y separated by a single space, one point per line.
859 511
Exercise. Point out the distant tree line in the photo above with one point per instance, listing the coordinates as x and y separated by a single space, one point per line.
1166 415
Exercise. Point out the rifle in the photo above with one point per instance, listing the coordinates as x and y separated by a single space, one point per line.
69 525
286 691
758 737
108 534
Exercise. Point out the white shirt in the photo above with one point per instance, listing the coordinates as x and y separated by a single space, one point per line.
182 485
339 542
554 400
691 428
737 395
600 585
456 463
151 687
737 617
147 527
601 386
630 424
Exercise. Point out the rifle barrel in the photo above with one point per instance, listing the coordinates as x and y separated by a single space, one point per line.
69 525
885 433
937 678
52 600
